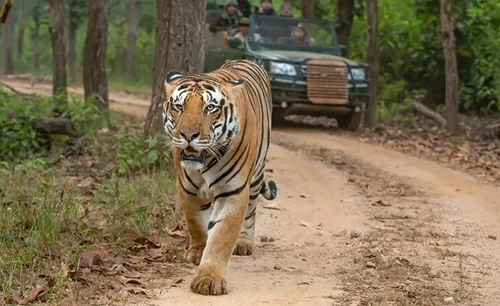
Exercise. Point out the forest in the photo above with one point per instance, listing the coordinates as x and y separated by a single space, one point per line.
78 173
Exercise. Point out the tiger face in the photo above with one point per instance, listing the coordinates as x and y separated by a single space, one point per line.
200 117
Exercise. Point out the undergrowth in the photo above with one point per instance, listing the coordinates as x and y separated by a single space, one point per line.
60 196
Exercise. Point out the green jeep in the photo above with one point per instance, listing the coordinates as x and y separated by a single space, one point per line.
309 77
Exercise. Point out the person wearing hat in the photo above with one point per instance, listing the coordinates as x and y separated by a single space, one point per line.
286 10
266 8
228 20
244 32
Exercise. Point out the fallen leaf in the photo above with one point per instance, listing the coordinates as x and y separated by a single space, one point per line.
94 257
273 207
86 183
137 290
304 223
380 203
176 282
34 293
146 242
178 232
154 254
341 233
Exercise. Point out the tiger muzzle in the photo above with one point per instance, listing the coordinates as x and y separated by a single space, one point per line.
192 155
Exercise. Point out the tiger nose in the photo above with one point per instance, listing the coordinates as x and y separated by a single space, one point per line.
189 135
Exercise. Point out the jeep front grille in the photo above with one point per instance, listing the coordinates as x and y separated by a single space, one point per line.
327 82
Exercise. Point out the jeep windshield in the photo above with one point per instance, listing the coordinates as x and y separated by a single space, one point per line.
296 34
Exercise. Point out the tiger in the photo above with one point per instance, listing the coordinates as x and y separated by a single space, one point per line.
219 126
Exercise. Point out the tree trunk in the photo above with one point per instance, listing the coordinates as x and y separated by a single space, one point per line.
95 81
22 27
372 61
56 29
307 8
133 24
345 13
5 9
179 42
72 50
7 29
450 59
36 38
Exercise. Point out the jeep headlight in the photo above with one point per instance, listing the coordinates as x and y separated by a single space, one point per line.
282 68
358 74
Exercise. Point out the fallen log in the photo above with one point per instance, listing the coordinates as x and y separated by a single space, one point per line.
427 112
43 124
59 126
5 9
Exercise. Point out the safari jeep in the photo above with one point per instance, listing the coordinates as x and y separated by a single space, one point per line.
310 78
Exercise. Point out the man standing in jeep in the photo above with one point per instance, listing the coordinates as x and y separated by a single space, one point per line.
227 22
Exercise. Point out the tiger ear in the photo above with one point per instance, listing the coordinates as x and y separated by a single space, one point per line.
172 76
236 84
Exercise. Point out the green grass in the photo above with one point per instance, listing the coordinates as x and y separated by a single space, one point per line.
47 219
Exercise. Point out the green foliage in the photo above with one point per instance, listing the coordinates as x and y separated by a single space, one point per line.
136 153
410 49
85 116
21 140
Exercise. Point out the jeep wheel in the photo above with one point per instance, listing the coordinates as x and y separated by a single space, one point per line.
278 118
351 121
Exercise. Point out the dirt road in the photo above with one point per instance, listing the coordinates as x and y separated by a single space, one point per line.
357 224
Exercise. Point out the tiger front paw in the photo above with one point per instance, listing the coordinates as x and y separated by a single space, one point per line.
209 281
244 247
193 255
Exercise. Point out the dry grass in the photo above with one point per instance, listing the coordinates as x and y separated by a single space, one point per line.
51 216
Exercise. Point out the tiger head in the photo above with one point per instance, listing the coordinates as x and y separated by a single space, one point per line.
200 116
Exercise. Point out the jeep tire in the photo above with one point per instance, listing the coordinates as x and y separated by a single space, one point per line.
351 121
278 118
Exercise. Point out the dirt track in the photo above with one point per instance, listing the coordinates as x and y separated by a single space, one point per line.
356 224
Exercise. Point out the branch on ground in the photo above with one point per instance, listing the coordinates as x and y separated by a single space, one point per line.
427 112
4 10
12 89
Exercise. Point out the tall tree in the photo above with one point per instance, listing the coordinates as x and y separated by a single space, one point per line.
133 24
450 59
7 29
21 28
56 29
95 81
179 42
37 12
372 61
345 14
77 13
307 8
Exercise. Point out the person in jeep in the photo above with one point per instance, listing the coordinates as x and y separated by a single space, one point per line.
227 22
244 31
286 10
298 36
